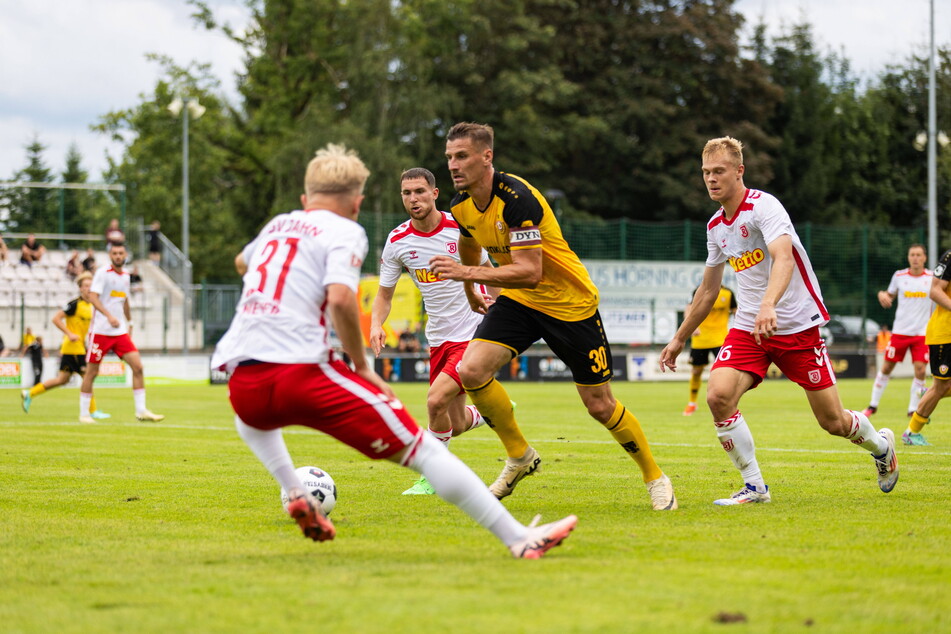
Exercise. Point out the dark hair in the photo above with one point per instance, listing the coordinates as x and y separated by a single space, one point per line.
919 246
116 244
480 133
419 172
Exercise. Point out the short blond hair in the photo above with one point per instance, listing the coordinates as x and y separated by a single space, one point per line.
335 170
85 275
728 145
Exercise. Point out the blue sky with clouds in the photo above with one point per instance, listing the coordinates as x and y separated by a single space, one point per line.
65 63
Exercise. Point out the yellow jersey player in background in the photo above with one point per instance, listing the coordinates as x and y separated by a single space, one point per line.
547 294
73 319
707 339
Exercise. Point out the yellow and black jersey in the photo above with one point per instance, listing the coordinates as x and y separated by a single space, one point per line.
518 217
78 315
939 326
712 330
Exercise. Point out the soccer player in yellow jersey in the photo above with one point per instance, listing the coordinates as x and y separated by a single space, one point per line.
547 294
707 339
73 319
938 338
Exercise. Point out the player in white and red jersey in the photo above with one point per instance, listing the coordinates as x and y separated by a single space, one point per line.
777 321
301 271
451 321
911 287
109 331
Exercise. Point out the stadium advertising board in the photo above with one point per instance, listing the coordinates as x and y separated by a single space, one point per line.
10 373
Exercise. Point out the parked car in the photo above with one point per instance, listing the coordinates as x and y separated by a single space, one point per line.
849 329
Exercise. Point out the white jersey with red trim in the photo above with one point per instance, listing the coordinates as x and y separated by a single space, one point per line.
113 289
450 317
281 316
742 243
914 302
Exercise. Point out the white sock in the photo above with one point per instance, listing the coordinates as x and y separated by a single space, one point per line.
442 436
881 382
864 435
84 402
270 449
917 391
138 397
475 417
455 483
737 440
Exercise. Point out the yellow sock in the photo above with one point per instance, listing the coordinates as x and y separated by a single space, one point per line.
627 431
917 423
694 387
493 403
92 405
37 389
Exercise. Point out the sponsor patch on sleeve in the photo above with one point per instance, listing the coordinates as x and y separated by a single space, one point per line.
523 237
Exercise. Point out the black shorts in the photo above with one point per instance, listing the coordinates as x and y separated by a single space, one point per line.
581 345
701 356
940 360
72 363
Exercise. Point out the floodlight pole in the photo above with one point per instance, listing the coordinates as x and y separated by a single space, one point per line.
932 155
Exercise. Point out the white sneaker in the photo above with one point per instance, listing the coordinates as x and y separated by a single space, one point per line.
662 494
87 420
541 539
514 472
887 464
146 415
747 495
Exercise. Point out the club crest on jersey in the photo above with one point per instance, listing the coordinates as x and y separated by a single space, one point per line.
747 260
451 247
744 231
499 226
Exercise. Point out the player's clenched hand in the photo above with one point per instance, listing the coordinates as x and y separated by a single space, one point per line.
446 268
367 373
668 356
377 339
765 325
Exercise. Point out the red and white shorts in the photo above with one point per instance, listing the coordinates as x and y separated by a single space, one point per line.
328 397
446 358
898 345
802 357
102 344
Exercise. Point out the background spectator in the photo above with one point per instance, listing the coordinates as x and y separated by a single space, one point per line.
3 251
31 250
408 342
28 338
74 266
89 264
155 243
114 234
36 353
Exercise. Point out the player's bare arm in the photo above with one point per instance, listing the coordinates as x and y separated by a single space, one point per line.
382 305
700 306
59 320
97 304
525 271
780 251
938 293
885 299
345 312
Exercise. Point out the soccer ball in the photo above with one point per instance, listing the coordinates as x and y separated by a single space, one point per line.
319 483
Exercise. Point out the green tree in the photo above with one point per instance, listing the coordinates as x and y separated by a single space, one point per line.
31 209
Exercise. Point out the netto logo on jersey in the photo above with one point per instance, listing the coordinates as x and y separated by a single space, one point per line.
425 276
918 294
747 260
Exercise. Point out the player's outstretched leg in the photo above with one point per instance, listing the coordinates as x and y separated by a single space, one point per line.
304 508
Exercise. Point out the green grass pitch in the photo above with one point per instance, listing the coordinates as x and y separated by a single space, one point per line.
176 527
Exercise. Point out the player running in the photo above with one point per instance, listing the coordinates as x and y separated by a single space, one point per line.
111 323
451 322
911 288
300 273
73 319
777 320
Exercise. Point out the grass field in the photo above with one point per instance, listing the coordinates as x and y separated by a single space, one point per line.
176 527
